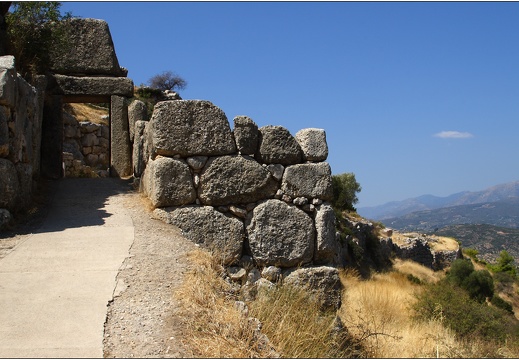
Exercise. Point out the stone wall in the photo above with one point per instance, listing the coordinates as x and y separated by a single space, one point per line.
86 148
21 107
256 195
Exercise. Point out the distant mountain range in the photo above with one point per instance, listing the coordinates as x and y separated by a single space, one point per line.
396 209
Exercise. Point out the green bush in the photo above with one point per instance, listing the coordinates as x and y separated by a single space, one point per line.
345 189
504 264
35 28
459 271
466 317
498 302
479 285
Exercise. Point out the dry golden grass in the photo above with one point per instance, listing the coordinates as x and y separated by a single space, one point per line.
213 326
377 313
421 272
87 112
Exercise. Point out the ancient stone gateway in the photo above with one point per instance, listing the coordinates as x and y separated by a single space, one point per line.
89 72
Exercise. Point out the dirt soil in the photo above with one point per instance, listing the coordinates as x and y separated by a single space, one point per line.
141 320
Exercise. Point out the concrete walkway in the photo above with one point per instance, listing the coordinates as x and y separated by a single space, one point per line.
56 284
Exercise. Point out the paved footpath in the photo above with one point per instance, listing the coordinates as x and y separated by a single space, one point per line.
55 285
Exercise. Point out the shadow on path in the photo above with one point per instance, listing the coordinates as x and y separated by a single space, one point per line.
71 203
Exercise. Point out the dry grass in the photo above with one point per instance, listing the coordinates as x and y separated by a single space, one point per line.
421 272
213 326
377 313
87 112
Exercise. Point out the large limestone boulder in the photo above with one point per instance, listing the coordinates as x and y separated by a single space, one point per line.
190 128
327 247
204 225
89 50
139 150
280 235
234 179
311 180
313 143
278 146
9 185
168 182
7 81
136 111
4 131
246 135
322 281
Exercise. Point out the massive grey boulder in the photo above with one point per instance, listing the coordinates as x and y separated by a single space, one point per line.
321 281
120 149
278 146
136 111
9 185
190 128
167 182
280 235
139 152
204 225
327 246
24 173
233 179
7 81
313 143
311 180
246 135
4 131
89 49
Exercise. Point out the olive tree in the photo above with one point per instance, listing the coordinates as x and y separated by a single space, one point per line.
345 189
167 80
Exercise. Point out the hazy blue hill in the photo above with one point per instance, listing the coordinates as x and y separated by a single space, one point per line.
500 213
430 202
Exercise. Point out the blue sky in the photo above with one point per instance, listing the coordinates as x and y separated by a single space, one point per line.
415 97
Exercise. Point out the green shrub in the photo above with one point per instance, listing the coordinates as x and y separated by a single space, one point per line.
466 317
498 302
479 285
460 271
345 189
504 264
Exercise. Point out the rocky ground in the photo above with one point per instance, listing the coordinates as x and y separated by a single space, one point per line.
141 320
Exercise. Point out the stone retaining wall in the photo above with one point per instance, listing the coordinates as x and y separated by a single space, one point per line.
253 194
20 138
86 148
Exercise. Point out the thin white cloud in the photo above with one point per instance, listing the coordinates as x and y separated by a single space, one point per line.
453 135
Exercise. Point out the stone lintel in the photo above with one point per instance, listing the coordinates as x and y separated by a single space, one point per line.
92 86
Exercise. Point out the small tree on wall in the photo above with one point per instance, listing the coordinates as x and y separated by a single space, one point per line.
34 28
167 80
345 189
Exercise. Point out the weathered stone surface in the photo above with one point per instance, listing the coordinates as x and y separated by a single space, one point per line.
9 185
271 273
280 235
139 163
278 146
311 180
276 170
24 173
120 151
136 111
204 225
4 132
91 50
5 218
246 135
444 258
167 182
92 86
7 81
52 145
313 143
197 162
415 249
327 247
190 128
322 281
234 179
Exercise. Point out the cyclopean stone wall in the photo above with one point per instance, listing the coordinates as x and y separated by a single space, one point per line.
257 195
21 107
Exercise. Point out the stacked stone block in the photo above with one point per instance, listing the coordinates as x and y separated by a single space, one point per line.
20 137
86 148
257 193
